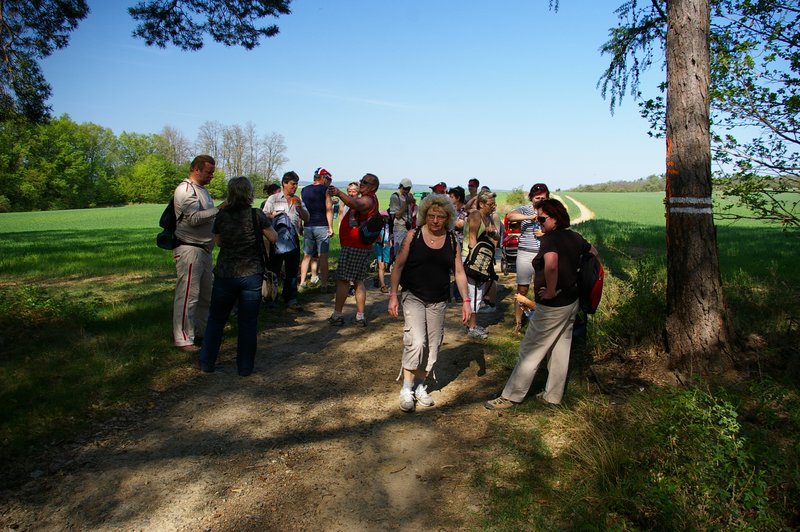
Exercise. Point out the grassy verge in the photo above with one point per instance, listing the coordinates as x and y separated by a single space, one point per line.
708 456
668 459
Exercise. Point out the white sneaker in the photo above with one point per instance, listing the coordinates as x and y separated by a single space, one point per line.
478 332
422 396
406 400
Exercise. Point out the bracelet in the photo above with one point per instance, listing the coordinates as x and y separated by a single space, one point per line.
392 294
467 300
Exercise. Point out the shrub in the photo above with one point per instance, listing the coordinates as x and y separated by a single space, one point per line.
671 459
31 307
517 197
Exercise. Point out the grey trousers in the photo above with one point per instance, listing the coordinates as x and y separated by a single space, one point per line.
192 293
423 332
549 332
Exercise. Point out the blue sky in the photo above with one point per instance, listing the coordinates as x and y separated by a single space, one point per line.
433 90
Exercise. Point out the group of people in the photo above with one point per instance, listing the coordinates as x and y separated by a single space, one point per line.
431 241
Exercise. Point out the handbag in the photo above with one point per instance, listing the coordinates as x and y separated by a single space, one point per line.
269 281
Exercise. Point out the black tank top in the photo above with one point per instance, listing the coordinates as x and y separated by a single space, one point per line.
426 273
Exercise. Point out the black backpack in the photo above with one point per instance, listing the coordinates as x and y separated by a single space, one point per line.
590 282
168 222
370 229
480 260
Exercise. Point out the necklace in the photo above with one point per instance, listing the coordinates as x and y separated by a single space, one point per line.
432 239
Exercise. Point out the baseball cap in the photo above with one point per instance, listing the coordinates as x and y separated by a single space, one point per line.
439 188
539 187
473 182
405 183
321 172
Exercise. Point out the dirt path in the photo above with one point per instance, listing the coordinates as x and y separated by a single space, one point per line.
585 212
313 440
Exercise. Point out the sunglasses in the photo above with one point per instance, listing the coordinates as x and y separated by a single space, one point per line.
368 183
542 219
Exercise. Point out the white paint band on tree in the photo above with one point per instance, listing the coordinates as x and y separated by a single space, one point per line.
703 205
690 210
703 201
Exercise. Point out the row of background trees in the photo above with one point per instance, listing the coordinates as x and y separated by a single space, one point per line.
60 164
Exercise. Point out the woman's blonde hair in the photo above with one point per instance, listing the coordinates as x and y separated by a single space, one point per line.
442 201
484 196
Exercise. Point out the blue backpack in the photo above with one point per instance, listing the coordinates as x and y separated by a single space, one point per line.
287 234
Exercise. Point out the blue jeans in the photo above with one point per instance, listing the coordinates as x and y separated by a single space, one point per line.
226 291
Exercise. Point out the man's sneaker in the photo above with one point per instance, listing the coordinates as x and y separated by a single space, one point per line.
336 320
422 396
478 332
406 400
361 322
500 403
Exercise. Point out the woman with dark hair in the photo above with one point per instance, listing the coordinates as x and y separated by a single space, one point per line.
238 231
556 292
530 232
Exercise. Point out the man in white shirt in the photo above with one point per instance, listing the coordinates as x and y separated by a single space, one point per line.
287 203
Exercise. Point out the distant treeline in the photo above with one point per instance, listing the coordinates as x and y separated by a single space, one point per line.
64 165
653 183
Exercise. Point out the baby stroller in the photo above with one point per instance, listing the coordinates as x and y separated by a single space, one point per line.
509 245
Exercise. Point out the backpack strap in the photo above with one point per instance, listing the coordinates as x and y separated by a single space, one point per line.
453 242
257 230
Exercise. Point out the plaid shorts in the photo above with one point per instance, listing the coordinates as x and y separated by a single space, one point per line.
353 264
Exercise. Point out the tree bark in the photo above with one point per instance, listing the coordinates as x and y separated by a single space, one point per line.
697 331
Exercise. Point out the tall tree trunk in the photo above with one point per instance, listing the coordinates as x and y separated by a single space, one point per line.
697 332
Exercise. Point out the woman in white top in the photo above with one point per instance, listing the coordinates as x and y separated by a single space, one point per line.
530 232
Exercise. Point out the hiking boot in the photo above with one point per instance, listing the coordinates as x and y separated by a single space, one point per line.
478 332
500 403
336 320
487 309
406 400
422 396
314 282
384 289
361 322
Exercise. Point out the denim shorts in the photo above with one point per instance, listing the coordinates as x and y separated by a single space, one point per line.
383 253
316 240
